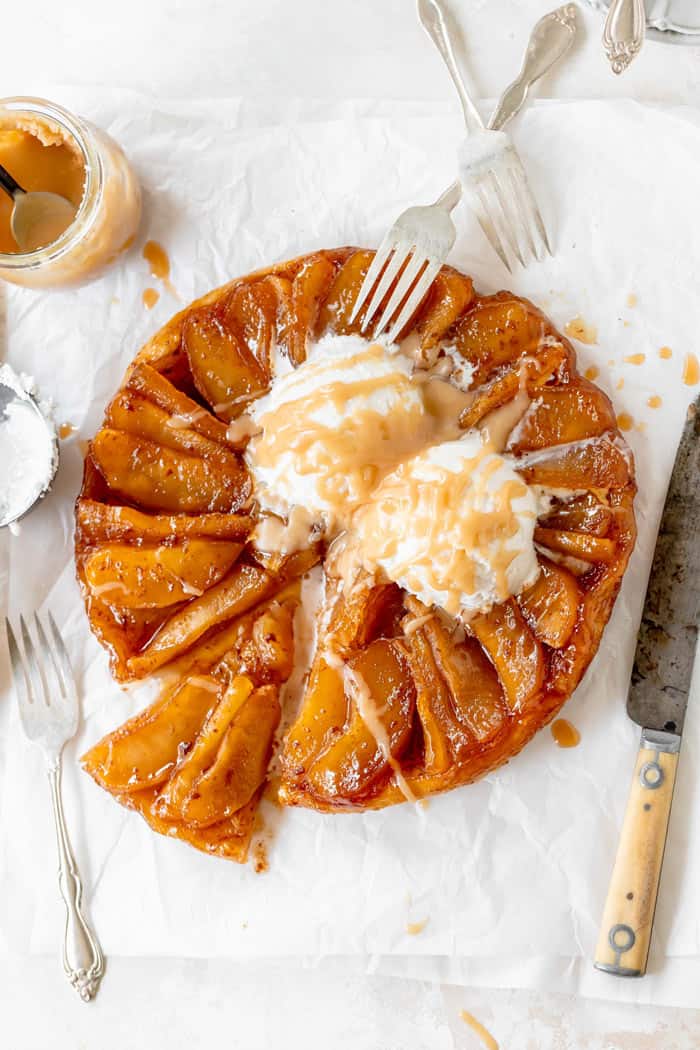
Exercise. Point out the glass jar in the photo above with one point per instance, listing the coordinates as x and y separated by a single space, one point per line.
109 212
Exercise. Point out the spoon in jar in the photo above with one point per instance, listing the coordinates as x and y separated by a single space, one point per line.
38 217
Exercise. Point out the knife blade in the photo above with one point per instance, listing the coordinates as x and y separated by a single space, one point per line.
657 701
663 663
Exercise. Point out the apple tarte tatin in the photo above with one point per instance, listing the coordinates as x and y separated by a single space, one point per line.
417 546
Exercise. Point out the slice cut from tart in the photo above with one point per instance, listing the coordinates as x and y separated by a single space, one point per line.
213 488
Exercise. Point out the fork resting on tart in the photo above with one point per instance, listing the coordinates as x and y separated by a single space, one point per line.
371 572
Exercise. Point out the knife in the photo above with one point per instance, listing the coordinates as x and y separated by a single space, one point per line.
657 700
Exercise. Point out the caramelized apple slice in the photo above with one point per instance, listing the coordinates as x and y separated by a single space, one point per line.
224 372
551 605
513 650
564 414
532 372
443 736
299 316
102 522
264 648
244 587
229 838
153 577
121 631
356 615
264 653
340 301
163 479
240 764
143 752
354 762
251 314
576 544
498 329
450 295
323 714
144 380
583 513
204 749
595 464
137 415
476 695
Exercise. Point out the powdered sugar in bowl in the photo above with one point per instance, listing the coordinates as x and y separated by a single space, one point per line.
28 448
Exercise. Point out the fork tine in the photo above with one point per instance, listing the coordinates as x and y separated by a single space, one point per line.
401 254
63 659
36 672
20 678
415 299
531 207
376 267
516 187
46 648
483 216
411 271
510 221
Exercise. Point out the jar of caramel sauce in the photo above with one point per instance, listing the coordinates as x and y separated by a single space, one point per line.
46 148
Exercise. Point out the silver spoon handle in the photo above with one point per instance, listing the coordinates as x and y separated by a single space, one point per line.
83 962
623 34
433 21
8 184
549 41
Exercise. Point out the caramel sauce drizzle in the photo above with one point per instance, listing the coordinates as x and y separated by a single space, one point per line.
370 715
159 264
476 1026
150 297
691 370
363 472
351 460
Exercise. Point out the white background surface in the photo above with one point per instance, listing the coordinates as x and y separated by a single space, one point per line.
315 48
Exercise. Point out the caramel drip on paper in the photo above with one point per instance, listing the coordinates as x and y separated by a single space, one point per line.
565 734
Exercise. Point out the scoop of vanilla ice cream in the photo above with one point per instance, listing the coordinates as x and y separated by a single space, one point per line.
454 525
331 428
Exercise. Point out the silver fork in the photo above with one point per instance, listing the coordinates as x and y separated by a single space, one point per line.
48 707
420 240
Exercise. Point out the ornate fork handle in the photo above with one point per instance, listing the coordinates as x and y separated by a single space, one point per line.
623 35
83 961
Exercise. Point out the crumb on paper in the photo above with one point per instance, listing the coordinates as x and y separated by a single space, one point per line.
635 359
666 352
620 383
632 299
625 421
578 329
260 860
415 928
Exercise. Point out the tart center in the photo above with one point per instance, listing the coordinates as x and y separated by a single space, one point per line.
360 446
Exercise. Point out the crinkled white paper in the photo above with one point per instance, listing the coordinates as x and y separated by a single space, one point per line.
511 873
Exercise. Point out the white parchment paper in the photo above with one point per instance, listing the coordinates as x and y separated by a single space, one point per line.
511 873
